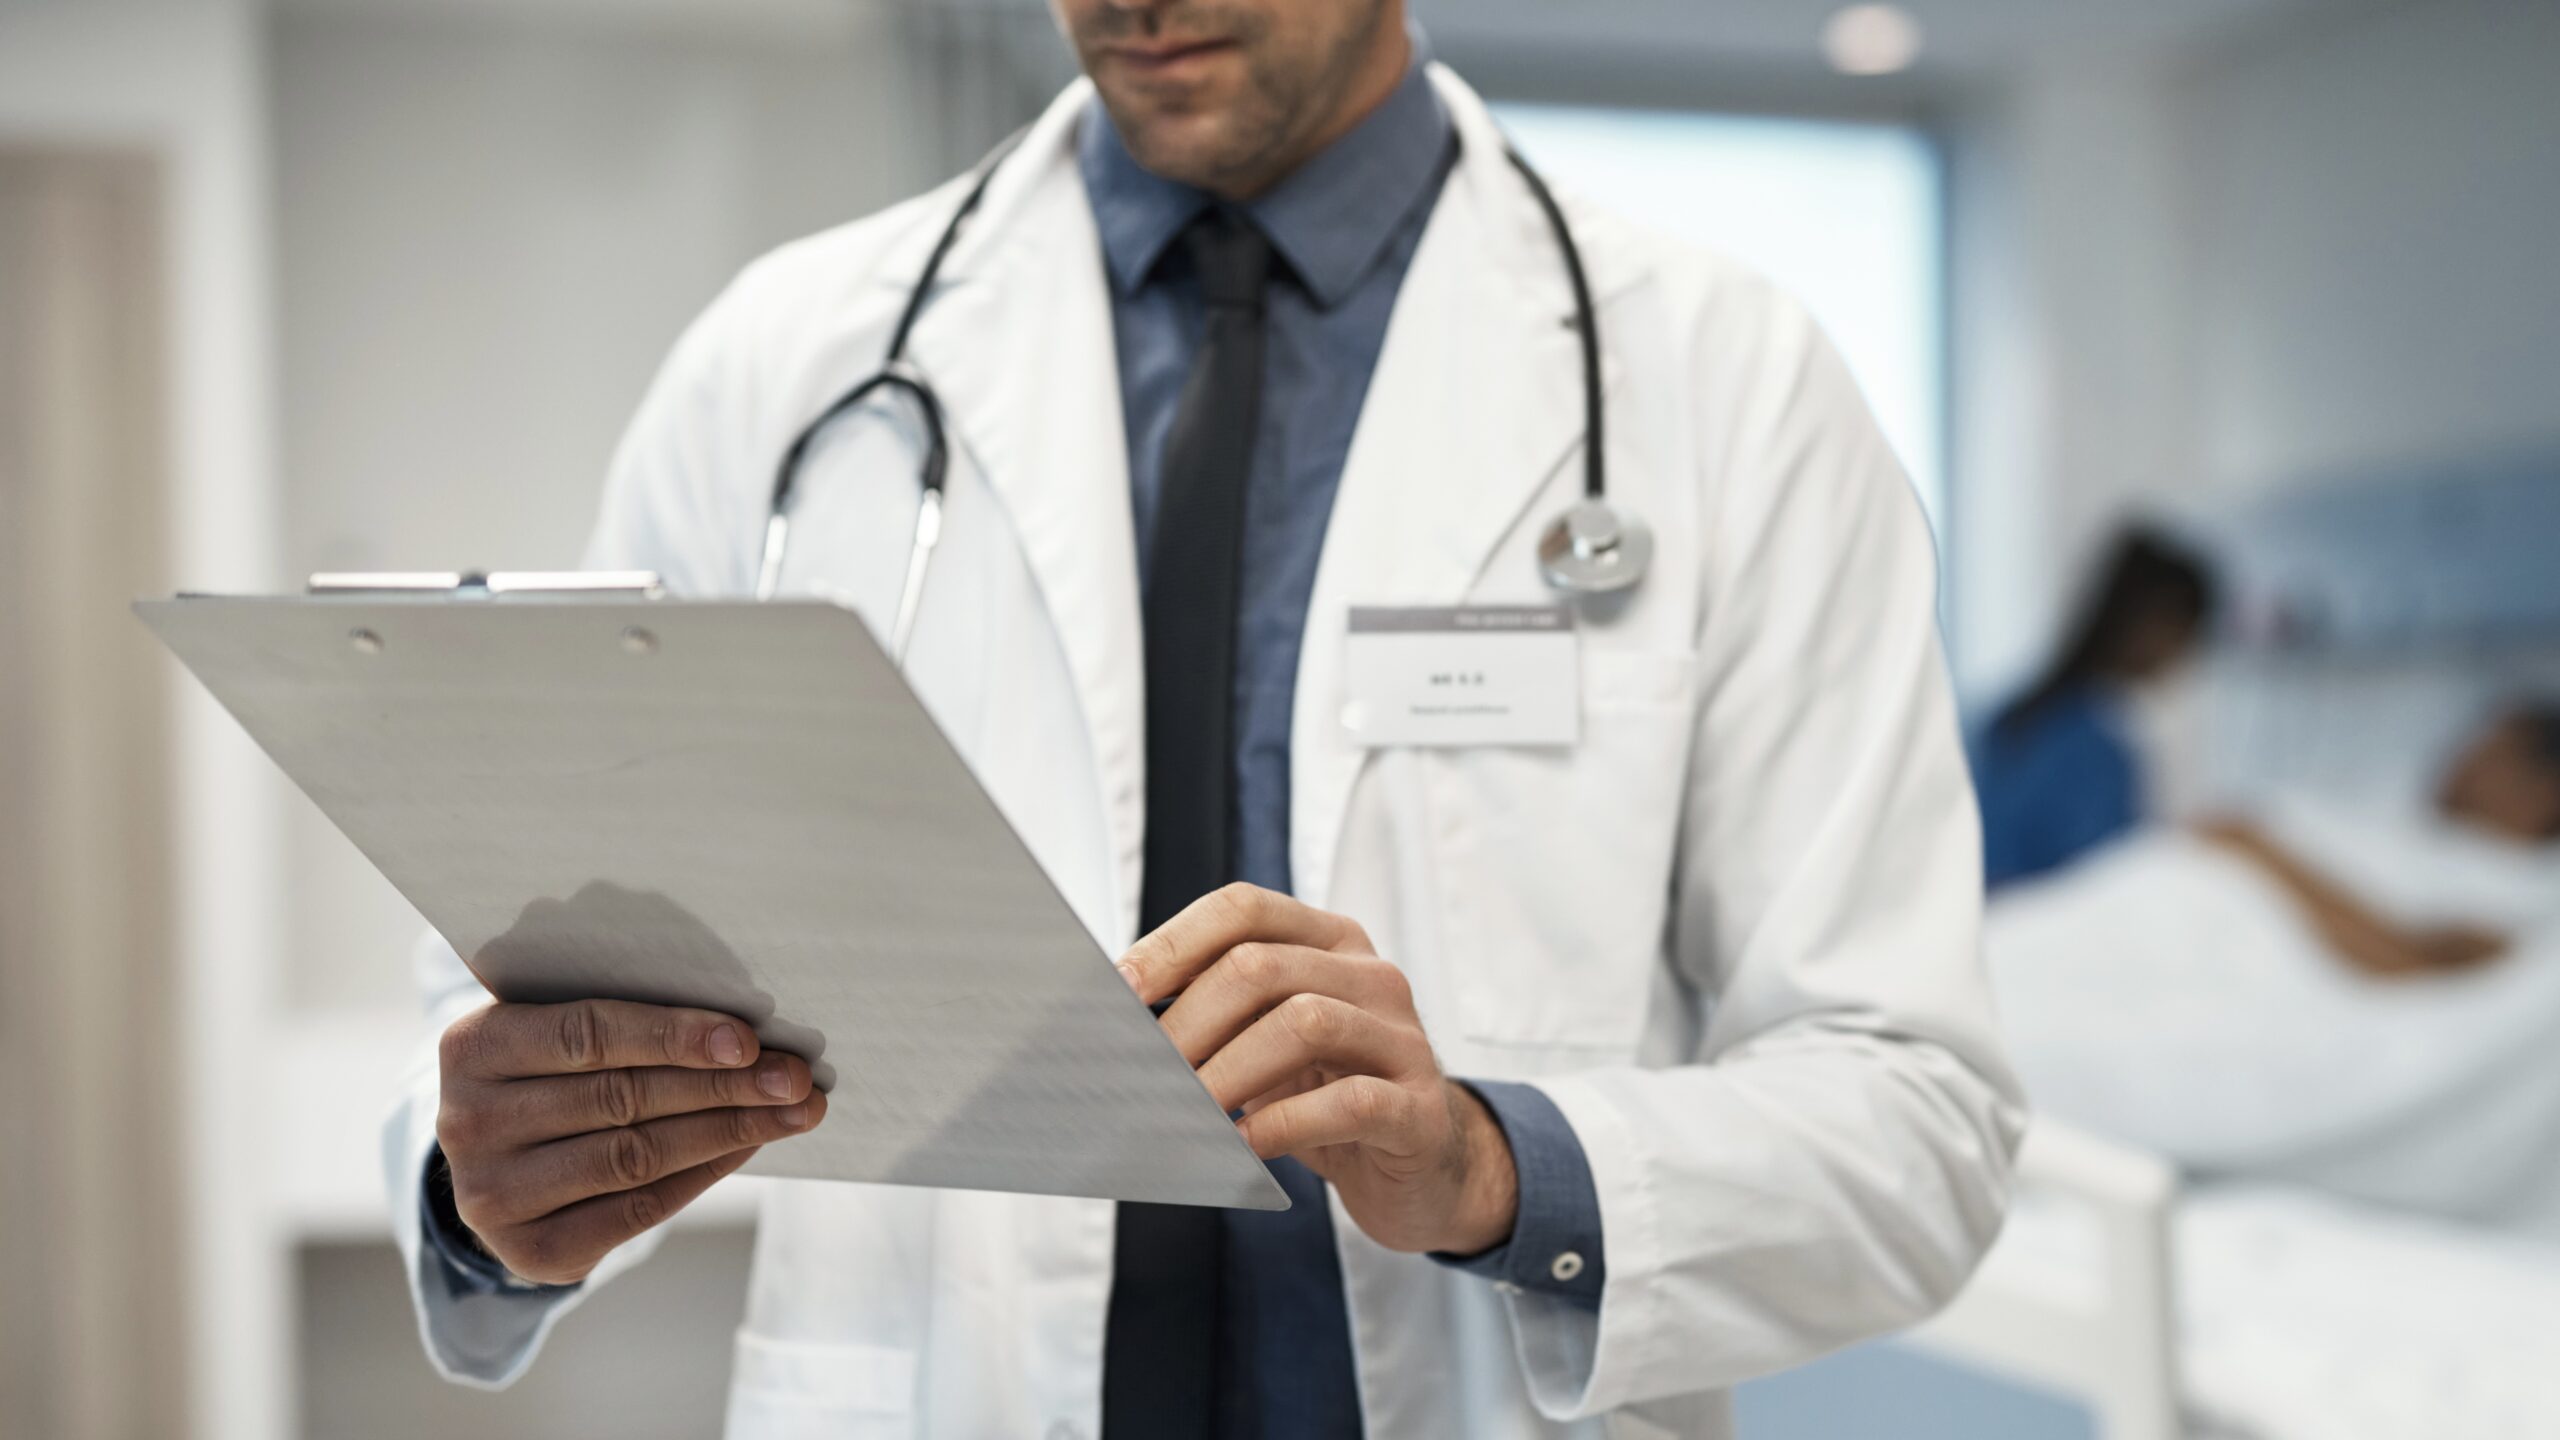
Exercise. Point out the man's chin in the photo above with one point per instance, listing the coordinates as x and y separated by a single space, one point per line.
1194 148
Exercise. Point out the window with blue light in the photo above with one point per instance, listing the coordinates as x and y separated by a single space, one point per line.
1846 216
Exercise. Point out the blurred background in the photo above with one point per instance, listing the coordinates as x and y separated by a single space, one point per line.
2221 338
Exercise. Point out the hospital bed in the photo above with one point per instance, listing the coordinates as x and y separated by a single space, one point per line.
2373 618
2253 1312
2077 1297
2164 993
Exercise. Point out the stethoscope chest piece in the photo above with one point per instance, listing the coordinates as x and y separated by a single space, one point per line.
1592 549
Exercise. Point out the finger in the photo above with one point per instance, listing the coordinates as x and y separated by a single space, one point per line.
1298 1084
1354 1110
1253 977
554 1107
554 1176
562 1247
508 1042
1307 1031
1169 956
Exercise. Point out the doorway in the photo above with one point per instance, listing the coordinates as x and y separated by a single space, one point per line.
91 1343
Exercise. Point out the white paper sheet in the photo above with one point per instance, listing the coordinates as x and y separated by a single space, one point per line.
740 807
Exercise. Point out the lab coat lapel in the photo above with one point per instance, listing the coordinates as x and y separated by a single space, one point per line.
1021 349
1474 407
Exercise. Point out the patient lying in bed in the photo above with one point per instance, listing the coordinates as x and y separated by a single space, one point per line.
2504 783
2214 997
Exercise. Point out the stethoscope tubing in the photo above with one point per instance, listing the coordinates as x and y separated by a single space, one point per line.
897 375
1586 325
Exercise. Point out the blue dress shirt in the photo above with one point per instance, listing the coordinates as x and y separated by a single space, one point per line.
2054 788
1344 228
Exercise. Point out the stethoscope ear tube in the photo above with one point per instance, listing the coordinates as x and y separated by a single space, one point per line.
777 540
919 556
937 465
928 534
890 376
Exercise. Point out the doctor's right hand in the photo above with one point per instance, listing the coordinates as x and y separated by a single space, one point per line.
572 1128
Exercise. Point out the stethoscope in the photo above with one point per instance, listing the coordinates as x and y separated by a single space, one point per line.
1591 549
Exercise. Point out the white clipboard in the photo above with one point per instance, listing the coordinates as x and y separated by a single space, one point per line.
738 806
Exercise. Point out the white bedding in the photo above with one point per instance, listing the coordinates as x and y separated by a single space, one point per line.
2165 994
2305 1318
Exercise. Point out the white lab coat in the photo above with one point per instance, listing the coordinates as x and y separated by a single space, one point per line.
1732 933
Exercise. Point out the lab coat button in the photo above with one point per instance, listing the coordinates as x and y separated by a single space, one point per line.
1061 1430
1566 1266
1355 716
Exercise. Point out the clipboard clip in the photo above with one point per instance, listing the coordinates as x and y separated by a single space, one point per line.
470 583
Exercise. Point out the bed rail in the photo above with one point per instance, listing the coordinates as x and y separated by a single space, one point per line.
2077 1294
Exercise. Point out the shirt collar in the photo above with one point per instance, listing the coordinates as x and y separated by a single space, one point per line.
1330 220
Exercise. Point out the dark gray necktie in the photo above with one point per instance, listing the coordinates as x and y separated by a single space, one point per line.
1191 576
1160 1345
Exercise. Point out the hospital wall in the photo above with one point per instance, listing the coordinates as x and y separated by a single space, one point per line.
2185 279
183 82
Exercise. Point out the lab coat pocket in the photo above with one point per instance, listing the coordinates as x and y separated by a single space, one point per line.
1557 863
819 1390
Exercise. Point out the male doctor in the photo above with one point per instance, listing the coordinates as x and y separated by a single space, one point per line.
1604 1074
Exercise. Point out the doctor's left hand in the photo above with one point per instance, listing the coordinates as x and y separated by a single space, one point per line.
1290 1016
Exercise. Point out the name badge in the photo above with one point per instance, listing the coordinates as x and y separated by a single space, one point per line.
1468 675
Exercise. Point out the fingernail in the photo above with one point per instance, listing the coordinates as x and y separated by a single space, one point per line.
1128 974
728 1047
774 1079
794 1118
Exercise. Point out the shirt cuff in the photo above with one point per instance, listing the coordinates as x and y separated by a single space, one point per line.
468 1270
1554 1247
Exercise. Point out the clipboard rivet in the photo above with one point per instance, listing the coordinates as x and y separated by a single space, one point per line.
365 641
639 641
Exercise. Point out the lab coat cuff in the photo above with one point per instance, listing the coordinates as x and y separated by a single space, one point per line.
1555 1243
468 1270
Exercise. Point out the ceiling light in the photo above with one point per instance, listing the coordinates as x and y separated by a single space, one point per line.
1870 39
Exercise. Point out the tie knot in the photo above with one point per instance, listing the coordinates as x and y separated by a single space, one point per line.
1231 256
